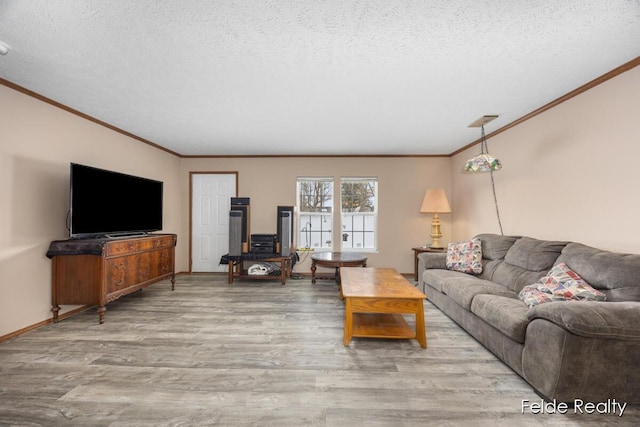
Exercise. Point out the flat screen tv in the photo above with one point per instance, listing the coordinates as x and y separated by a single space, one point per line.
108 204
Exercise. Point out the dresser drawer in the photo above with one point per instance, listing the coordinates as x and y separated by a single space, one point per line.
122 248
156 243
120 274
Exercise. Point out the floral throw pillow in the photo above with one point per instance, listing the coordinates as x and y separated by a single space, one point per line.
560 284
465 257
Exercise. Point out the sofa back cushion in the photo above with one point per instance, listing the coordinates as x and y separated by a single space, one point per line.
495 246
616 275
526 262
533 254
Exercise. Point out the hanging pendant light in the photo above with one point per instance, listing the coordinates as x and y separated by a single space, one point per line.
483 162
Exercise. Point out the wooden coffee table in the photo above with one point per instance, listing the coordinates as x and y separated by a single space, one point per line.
375 299
336 260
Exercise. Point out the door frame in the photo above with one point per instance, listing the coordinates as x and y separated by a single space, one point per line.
191 173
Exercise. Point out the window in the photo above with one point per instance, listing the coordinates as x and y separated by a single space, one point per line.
315 203
359 212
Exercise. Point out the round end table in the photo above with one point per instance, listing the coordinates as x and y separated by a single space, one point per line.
336 260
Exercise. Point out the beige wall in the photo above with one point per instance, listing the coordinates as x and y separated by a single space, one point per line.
37 143
270 182
570 173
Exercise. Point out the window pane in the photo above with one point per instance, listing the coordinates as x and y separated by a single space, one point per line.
358 205
326 239
358 240
369 240
347 240
316 240
315 202
370 222
315 195
315 222
358 195
358 223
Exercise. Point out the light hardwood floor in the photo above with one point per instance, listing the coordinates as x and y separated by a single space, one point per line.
256 353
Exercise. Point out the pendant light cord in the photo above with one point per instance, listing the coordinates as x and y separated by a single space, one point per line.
484 149
495 199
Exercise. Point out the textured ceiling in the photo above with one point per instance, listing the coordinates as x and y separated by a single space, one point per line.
316 77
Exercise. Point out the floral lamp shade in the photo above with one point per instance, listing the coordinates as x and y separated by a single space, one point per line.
483 163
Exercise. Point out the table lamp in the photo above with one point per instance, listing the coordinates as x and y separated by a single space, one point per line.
435 202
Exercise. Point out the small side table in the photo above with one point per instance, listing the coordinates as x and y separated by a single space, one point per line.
236 268
336 260
417 251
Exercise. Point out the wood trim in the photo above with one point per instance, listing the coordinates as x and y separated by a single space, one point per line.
68 109
284 156
191 173
590 85
43 323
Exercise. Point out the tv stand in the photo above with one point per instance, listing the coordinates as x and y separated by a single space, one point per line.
98 271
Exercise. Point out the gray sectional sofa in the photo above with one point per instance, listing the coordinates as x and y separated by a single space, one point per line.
587 350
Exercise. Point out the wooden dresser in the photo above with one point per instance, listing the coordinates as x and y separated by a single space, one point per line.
98 271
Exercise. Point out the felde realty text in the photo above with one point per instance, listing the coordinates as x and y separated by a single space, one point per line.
610 406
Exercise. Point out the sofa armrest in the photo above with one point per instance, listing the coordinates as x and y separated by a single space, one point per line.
595 319
432 260
428 260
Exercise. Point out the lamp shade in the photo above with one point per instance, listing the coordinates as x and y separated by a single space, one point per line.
483 163
435 201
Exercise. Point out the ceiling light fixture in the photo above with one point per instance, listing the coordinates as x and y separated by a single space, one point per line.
4 48
484 162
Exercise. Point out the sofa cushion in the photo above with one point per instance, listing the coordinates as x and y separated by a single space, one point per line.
437 278
495 246
560 284
463 291
488 268
514 278
508 315
525 262
465 256
533 254
618 320
616 275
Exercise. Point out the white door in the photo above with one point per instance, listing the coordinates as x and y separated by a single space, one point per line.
211 195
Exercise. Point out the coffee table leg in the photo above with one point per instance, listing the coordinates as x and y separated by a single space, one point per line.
348 322
421 332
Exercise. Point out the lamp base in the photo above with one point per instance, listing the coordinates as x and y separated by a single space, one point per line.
436 234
